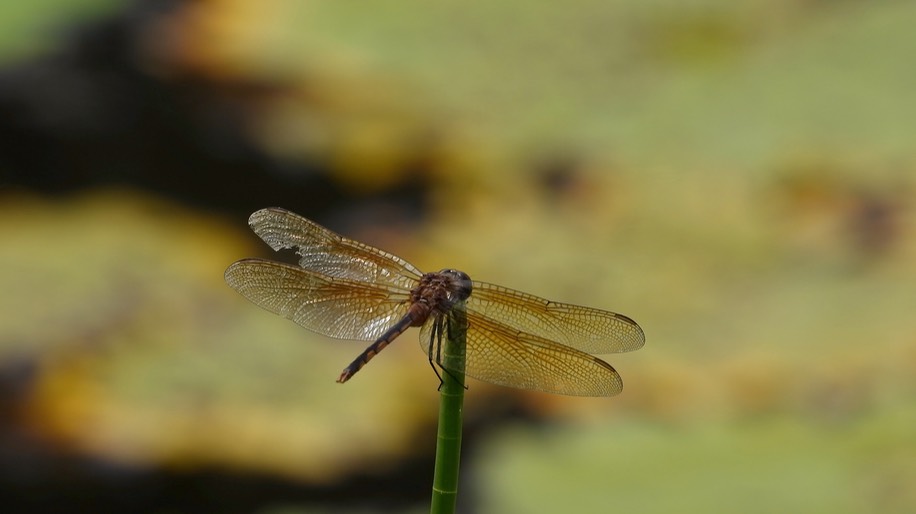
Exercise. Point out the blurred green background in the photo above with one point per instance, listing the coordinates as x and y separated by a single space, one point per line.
737 177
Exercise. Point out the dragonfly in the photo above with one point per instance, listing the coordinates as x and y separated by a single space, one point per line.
345 289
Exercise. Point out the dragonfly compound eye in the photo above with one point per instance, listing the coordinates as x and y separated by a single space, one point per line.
460 285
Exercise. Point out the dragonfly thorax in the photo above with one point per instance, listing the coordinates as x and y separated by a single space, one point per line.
438 292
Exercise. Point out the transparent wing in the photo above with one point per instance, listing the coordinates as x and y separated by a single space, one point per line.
333 306
503 356
329 253
583 328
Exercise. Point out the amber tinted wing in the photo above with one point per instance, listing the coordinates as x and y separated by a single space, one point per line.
502 356
329 253
583 328
333 306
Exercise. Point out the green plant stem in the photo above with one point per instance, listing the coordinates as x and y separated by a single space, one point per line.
451 401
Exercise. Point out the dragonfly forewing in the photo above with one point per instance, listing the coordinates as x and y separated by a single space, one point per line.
326 252
583 328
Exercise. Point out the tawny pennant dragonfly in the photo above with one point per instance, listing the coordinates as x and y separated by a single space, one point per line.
349 290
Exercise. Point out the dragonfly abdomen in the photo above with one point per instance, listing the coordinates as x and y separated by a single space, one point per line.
416 315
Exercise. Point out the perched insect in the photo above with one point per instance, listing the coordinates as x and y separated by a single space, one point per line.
349 290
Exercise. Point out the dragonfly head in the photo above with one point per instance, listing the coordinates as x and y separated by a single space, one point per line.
460 286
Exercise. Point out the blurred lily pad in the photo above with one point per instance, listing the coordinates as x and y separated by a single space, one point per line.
146 356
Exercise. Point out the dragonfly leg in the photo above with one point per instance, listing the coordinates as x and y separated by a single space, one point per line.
435 351
435 338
